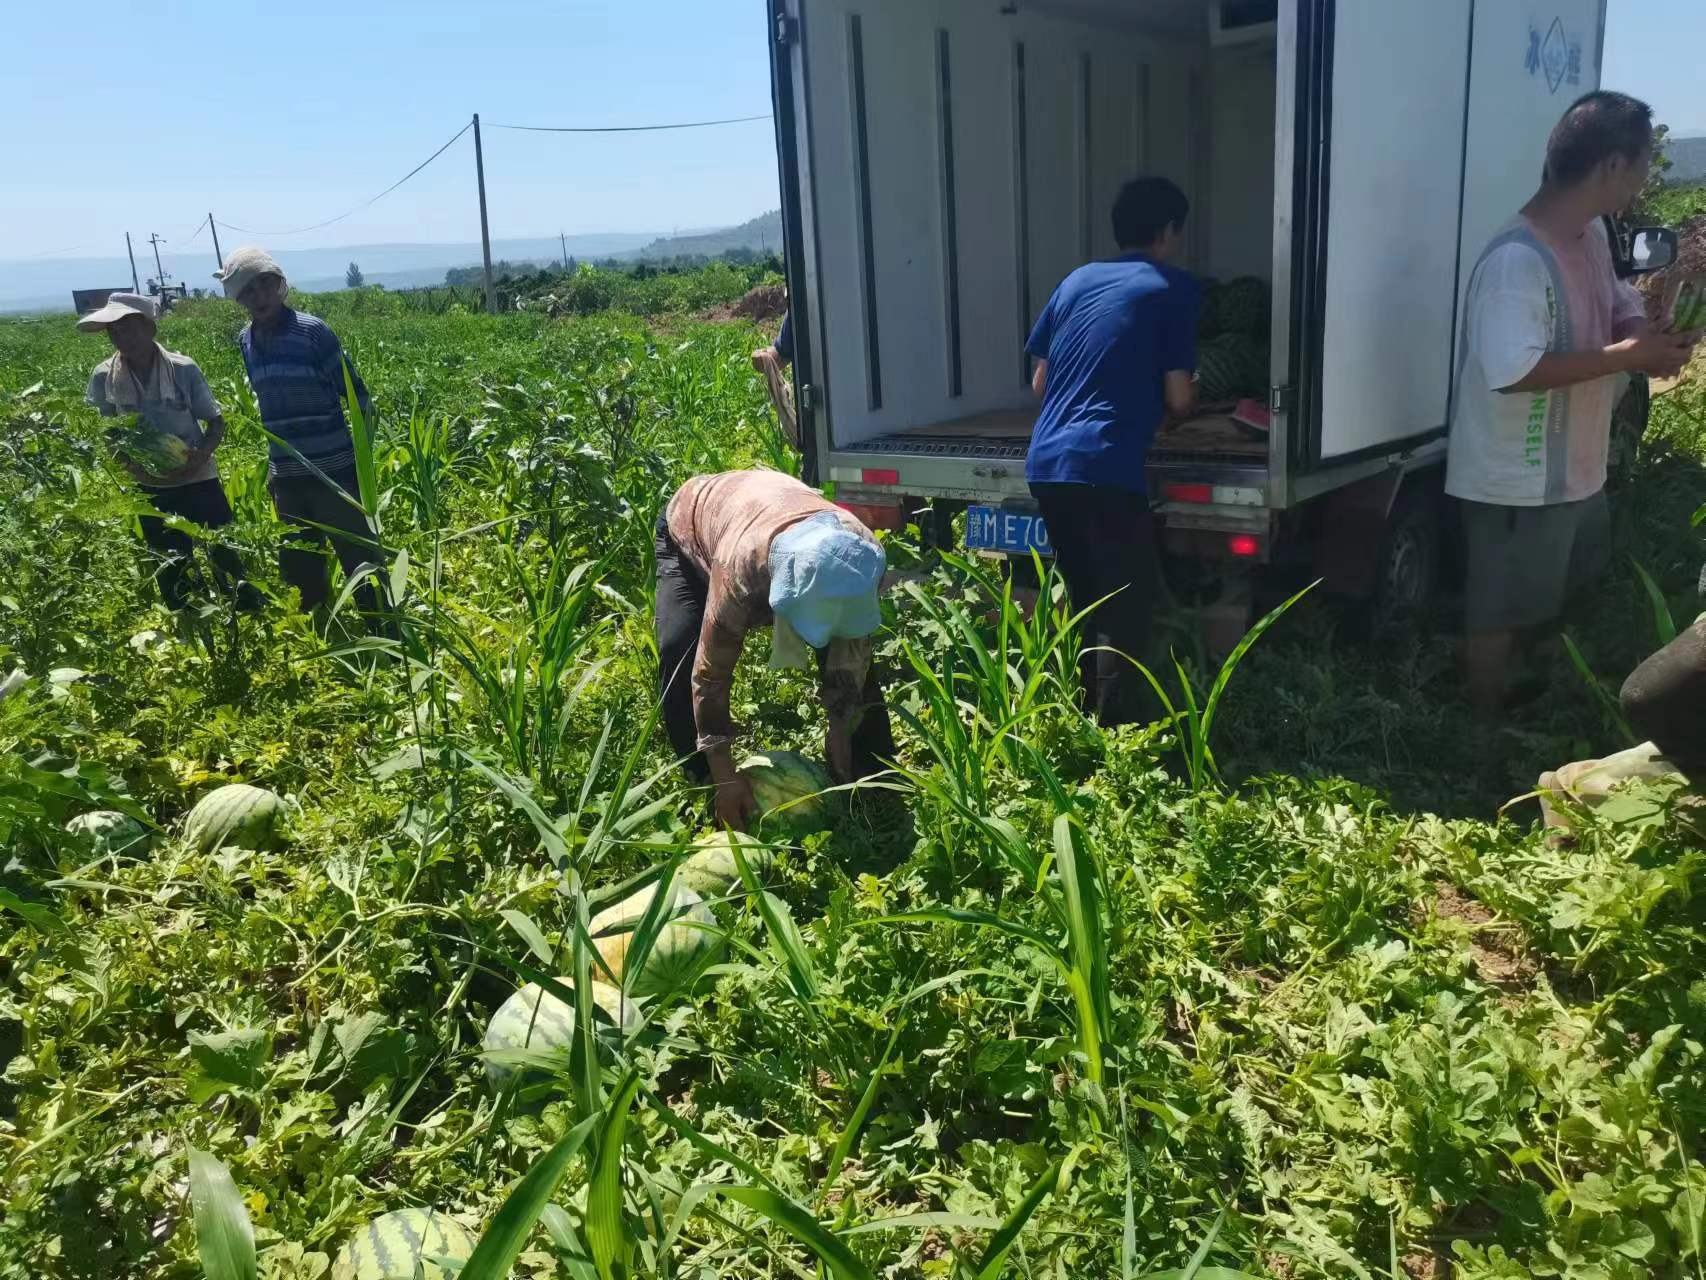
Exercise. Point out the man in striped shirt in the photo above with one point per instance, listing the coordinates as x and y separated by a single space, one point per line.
296 366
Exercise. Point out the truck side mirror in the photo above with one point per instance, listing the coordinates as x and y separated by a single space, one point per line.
1651 249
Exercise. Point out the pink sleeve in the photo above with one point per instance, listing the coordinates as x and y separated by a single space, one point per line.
1628 310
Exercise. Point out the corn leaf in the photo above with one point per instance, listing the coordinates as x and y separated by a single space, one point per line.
495 1255
606 1226
224 1236
995 1256
807 1230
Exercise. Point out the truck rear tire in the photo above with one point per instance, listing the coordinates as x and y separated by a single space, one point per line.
1407 570
1628 427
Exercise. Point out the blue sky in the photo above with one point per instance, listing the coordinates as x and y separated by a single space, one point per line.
1652 50
275 116
144 117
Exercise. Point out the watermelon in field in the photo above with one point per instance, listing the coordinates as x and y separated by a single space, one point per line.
710 869
236 814
533 1018
109 831
785 784
402 1245
682 948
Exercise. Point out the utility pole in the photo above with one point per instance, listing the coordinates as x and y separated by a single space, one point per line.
135 280
217 255
485 232
565 241
159 271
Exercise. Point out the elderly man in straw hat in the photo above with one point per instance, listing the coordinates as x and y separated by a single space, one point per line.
296 366
167 391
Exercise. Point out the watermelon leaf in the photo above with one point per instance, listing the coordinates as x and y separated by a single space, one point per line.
225 1238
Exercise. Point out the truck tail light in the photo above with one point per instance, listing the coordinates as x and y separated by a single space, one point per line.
1244 545
876 515
1188 492
880 475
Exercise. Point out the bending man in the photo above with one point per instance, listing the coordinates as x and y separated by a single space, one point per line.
747 549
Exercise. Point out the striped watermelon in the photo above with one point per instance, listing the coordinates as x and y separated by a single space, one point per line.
236 814
710 870
399 1245
1244 306
1208 319
779 777
1229 367
682 948
108 830
533 1018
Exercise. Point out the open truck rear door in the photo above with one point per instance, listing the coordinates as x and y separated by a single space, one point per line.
1416 109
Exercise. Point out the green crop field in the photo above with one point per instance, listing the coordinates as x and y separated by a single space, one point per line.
1280 992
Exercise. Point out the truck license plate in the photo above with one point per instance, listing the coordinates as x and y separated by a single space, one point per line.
1007 532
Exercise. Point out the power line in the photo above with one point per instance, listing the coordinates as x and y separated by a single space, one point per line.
628 128
388 190
54 253
200 227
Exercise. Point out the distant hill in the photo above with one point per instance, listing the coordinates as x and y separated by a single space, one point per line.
46 284
1687 160
762 234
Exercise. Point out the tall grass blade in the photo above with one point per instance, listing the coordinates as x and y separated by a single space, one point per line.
799 1224
850 1132
1229 666
995 1255
606 1227
494 1257
224 1236
1608 704
361 434
1664 626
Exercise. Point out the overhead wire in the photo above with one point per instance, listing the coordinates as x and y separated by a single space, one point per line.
628 128
525 128
388 190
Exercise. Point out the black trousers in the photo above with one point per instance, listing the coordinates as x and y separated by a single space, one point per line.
682 591
1104 543
304 502
203 502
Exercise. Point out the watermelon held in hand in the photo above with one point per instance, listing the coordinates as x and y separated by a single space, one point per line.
236 814
109 831
786 785
152 449
402 1245
684 947
532 1018
710 869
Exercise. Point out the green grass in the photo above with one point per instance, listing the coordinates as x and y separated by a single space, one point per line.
1671 206
1046 1002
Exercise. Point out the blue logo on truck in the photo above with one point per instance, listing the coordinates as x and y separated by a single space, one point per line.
1553 54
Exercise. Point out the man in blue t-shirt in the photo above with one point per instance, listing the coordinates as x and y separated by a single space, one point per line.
1116 352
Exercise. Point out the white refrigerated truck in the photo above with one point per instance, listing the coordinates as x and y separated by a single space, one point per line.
945 163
